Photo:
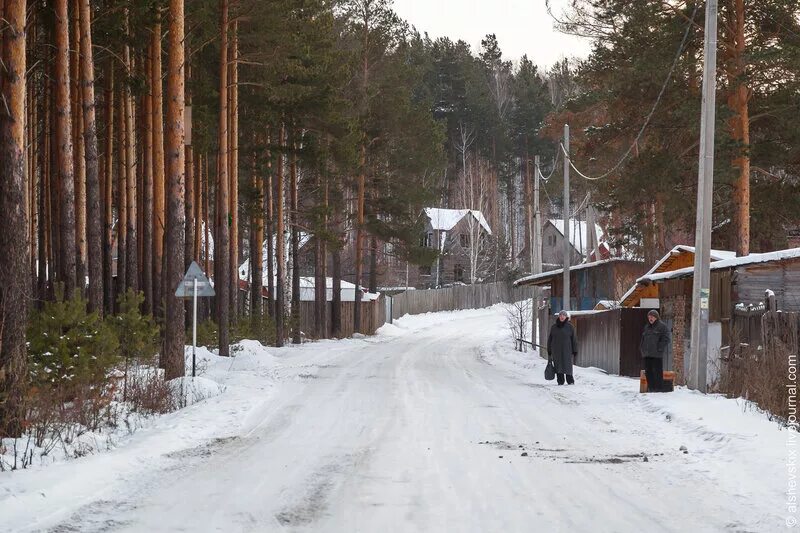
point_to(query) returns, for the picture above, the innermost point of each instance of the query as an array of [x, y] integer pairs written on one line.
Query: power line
[[555, 166], [649, 115]]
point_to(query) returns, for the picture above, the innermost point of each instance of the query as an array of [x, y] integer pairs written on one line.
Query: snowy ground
[[436, 424]]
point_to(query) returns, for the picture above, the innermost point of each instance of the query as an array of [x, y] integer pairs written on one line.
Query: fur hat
[[564, 312], [655, 314]]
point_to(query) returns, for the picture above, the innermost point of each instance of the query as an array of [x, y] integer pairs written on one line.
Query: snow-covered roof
[[606, 304], [530, 280], [578, 233], [446, 219], [752, 259], [716, 255]]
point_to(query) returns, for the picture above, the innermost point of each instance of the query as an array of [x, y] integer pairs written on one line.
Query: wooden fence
[[457, 298], [780, 331], [745, 328], [373, 316]]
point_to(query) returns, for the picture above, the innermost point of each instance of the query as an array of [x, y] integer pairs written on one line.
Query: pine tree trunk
[[78, 154], [176, 223], [198, 202], [256, 246], [55, 258], [108, 191], [270, 227], [739, 124], [222, 245], [528, 210], [148, 246], [132, 265], [141, 153], [94, 235], [319, 288], [324, 259], [191, 205], [295, 242], [65, 159], [233, 168], [33, 176], [280, 252], [512, 222], [320, 267], [206, 216], [44, 191], [159, 214], [122, 197], [373, 265], [359, 259], [14, 281], [189, 179], [336, 302]]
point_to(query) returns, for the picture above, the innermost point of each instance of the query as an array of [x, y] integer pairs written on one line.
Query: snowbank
[[188, 390]]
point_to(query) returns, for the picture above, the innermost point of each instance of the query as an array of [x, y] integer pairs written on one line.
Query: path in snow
[[425, 430]]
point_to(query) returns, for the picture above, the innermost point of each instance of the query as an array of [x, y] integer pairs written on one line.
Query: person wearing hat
[[562, 347], [655, 341]]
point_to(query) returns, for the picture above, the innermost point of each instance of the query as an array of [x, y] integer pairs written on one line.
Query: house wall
[[453, 255], [553, 247], [783, 278], [588, 286]]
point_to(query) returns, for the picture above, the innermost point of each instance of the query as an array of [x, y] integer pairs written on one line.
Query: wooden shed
[[734, 281], [679, 257]]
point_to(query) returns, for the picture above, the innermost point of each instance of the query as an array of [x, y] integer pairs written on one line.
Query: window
[[425, 270], [551, 240], [458, 273], [464, 240], [427, 240]]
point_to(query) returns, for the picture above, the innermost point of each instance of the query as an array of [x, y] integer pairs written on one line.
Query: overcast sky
[[522, 26]]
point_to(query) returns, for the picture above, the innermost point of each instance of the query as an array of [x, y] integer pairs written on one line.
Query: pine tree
[[14, 281], [175, 152]]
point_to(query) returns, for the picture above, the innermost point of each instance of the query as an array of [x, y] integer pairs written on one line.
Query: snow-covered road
[[436, 425]]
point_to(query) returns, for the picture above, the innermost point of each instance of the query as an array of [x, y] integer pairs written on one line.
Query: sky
[[522, 26]]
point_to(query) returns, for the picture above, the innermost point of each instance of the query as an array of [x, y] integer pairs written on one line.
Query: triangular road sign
[[186, 286]]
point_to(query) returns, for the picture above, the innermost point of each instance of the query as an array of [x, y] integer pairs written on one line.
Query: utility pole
[[705, 187], [567, 251], [536, 250]]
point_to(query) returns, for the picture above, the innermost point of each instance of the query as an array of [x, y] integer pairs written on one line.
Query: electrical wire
[[555, 166], [649, 115]]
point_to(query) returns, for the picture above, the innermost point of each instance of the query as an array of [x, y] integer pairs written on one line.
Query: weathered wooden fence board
[[373, 316], [457, 298]]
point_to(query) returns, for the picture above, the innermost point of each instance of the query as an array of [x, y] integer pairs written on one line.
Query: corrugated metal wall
[[599, 340]]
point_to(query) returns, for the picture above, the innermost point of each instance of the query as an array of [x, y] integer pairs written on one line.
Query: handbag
[[549, 370]]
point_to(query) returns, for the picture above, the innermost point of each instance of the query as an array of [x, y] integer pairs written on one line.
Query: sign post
[[194, 285]]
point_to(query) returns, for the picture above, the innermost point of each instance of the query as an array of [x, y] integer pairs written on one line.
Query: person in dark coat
[[562, 347], [655, 341]]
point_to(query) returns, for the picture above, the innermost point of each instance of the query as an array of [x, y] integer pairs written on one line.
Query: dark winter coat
[[562, 346], [655, 340]]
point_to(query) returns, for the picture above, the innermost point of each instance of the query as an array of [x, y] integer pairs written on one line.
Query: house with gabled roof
[[681, 256], [735, 282], [458, 235]]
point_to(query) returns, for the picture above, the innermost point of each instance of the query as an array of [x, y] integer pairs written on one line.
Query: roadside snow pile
[[188, 390], [68, 441], [390, 330]]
